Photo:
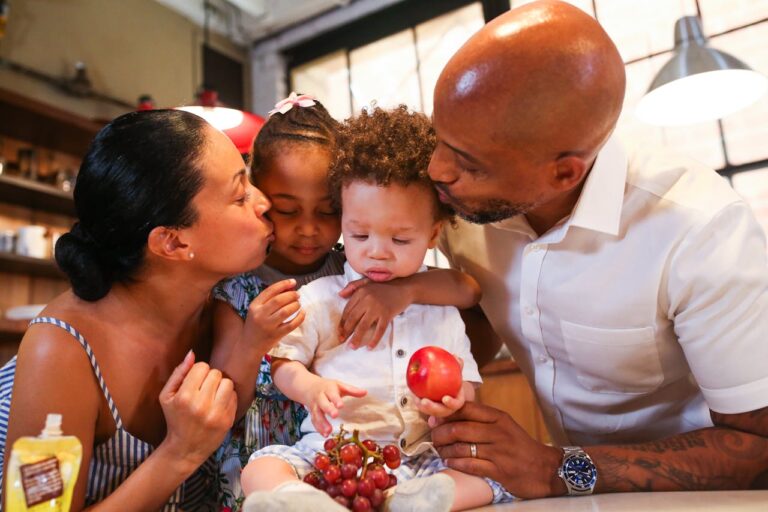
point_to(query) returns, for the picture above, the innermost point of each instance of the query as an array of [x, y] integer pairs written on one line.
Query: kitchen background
[[69, 66]]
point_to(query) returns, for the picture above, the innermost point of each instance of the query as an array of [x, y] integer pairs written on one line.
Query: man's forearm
[[713, 458]]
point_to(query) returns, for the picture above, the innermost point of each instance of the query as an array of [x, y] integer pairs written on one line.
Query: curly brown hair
[[383, 147]]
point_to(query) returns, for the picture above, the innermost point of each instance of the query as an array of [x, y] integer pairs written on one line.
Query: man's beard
[[492, 210]]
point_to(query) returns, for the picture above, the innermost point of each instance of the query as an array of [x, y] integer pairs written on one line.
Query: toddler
[[390, 217], [290, 162]]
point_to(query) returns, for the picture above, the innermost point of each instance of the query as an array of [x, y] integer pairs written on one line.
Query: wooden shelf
[[44, 125], [38, 196], [11, 331], [38, 267]]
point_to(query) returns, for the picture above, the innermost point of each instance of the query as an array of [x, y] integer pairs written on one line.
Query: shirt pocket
[[613, 360]]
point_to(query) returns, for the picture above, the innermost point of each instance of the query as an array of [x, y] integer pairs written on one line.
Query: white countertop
[[701, 501]]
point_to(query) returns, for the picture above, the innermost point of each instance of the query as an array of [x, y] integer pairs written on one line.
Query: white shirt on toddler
[[387, 413]]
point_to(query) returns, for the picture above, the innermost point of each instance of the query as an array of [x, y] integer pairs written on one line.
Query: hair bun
[[78, 256]]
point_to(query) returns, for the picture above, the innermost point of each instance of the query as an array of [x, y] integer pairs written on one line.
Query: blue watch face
[[580, 472]]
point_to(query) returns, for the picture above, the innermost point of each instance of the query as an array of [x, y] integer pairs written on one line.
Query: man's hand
[[505, 452], [370, 308]]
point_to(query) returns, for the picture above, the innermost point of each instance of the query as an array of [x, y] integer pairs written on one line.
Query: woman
[[165, 211]]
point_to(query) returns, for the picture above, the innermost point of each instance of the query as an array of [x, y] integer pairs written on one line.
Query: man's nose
[[441, 169]]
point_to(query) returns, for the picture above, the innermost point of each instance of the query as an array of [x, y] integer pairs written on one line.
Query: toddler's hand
[[447, 406], [273, 314], [325, 398]]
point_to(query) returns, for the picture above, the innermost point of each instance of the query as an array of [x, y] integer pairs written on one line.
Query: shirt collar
[[601, 199], [352, 275]]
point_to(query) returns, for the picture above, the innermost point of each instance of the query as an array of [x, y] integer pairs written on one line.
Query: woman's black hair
[[141, 171], [313, 125]]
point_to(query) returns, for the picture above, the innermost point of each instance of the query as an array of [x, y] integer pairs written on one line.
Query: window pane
[[700, 141], [746, 131], [438, 39], [753, 186], [634, 133], [720, 15], [327, 79], [641, 28], [584, 5], [385, 72]]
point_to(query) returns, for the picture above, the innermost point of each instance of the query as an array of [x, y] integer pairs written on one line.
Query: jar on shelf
[[28, 163]]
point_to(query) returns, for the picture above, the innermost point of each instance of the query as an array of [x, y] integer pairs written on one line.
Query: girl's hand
[[447, 406], [199, 408], [274, 313], [370, 308], [325, 398]]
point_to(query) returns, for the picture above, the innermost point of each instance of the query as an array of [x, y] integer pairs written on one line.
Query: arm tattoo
[[712, 458]]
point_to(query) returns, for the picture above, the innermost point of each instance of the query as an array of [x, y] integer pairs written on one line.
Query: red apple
[[433, 373]]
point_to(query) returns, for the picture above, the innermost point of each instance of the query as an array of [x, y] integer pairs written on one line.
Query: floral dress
[[272, 417]]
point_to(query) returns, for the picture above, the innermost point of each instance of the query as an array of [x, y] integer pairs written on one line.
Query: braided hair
[[299, 125]]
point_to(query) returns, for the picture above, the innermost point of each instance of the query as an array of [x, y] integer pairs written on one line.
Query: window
[[403, 68], [399, 68]]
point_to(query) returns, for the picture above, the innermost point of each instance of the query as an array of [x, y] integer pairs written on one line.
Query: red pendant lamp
[[239, 125]]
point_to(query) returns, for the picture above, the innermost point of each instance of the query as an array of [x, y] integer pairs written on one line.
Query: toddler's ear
[[438, 226]]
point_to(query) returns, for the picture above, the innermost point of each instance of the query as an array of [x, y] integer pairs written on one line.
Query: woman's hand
[[325, 398], [370, 308], [273, 313], [199, 408]]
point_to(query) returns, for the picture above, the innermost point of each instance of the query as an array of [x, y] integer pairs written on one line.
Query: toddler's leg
[[271, 484], [471, 491], [265, 474]]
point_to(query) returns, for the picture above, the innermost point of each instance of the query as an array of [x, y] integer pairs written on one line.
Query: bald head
[[545, 75]]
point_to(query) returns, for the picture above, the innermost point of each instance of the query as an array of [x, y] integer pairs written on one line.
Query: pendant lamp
[[699, 83], [239, 125]]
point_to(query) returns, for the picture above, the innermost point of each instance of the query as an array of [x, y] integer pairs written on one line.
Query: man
[[634, 296]]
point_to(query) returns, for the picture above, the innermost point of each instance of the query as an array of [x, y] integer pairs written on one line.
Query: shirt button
[[400, 352], [403, 401], [528, 310], [534, 247], [402, 443], [543, 359]]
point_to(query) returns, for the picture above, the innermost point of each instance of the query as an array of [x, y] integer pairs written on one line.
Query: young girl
[[290, 161], [391, 216]]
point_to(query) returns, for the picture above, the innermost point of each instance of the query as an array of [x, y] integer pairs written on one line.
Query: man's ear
[[435, 234], [166, 243], [568, 172]]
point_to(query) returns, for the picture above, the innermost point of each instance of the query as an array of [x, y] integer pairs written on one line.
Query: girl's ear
[[167, 243], [436, 228]]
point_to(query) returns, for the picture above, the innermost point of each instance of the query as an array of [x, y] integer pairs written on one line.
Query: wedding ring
[[473, 450]]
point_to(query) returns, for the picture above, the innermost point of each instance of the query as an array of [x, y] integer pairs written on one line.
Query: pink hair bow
[[283, 106]]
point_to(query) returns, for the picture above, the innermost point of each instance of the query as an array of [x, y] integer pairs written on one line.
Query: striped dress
[[114, 460]]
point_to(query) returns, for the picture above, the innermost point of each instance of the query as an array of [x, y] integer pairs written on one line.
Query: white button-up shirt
[[387, 413], [638, 312]]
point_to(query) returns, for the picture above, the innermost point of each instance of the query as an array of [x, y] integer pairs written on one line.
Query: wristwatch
[[577, 471]]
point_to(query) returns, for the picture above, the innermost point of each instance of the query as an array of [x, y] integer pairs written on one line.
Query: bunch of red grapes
[[353, 472]]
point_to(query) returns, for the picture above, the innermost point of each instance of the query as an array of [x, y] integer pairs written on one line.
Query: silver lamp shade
[[699, 83]]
